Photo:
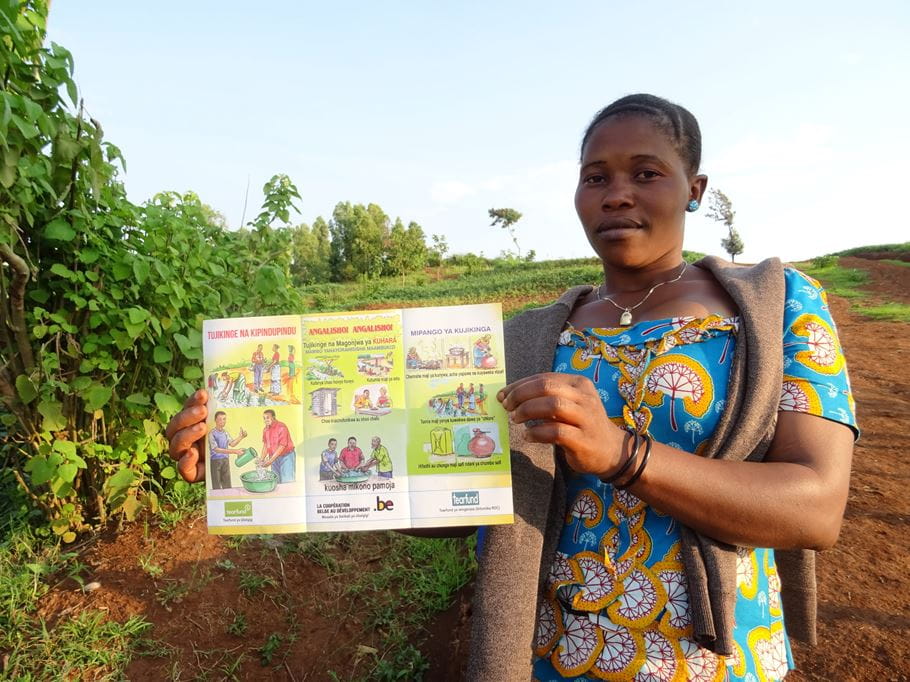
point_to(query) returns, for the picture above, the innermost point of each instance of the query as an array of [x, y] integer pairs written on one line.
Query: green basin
[[254, 485], [352, 478]]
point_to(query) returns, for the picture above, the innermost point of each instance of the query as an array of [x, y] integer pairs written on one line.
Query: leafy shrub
[[101, 300]]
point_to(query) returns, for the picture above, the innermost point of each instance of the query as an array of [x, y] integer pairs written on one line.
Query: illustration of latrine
[[324, 402]]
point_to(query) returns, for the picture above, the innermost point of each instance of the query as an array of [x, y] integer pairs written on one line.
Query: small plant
[[253, 583], [225, 564], [238, 625], [230, 669], [172, 592], [316, 549], [148, 565], [268, 650]]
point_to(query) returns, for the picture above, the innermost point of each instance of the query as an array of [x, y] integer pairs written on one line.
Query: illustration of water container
[[246, 457], [441, 442]]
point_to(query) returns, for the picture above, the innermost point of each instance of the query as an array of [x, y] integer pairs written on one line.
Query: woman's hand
[[566, 410], [186, 433]]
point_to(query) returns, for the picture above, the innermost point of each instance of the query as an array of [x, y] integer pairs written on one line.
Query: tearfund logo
[[235, 509], [465, 498]]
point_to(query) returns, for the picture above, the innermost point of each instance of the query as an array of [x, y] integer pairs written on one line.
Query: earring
[[692, 206]]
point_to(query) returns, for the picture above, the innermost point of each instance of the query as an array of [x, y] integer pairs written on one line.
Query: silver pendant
[[626, 318]]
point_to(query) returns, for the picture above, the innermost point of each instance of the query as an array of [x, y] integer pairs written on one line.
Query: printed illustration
[[375, 364], [460, 402], [389, 412], [278, 449], [372, 400], [221, 446], [324, 402], [323, 369], [452, 352], [260, 382], [352, 465], [476, 440]]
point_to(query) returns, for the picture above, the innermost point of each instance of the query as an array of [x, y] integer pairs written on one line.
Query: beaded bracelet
[[628, 463], [641, 467]]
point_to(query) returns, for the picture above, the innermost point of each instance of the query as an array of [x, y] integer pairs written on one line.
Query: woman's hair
[[677, 123]]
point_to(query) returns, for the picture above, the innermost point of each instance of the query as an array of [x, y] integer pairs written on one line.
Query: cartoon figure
[[292, 373], [412, 361], [220, 446], [483, 356], [275, 372], [383, 400], [278, 448], [472, 403], [329, 464], [459, 395], [240, 392], [352, 456], [258, 364], [362, 401], [223, 385], [481, 397], [379, 458]]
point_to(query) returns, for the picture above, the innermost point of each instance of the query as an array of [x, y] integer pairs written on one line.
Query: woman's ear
[[697, 187]]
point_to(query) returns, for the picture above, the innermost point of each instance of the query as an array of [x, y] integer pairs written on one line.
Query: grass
[[895, 312], [417, 579], [253, 584], [85, 645], [903, 248], [148, 565], [848, 283]]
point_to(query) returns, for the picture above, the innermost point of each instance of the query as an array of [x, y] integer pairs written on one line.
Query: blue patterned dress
[[617, 605]]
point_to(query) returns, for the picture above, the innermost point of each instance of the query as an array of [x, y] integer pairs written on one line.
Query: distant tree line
[[357, 242]]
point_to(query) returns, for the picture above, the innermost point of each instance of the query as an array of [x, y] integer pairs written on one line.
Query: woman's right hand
[[186, 435]]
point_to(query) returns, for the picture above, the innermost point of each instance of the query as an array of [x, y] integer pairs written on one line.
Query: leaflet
[[356, 421]]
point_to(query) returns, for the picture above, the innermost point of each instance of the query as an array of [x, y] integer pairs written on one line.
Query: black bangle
[[628, 463], [641, 467]]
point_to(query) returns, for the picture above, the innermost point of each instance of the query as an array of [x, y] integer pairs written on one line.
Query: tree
[[720, 208], [438, 252], [733, 244], [506, 219]]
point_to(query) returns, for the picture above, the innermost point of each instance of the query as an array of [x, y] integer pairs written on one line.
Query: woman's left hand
[[566, 410]]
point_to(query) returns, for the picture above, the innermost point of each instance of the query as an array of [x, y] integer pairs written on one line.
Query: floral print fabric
[[616, 606]]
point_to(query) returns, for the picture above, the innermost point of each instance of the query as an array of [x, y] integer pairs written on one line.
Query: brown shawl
[[516, 558]]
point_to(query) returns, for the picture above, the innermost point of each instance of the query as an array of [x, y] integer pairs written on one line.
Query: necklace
[[625, 319]]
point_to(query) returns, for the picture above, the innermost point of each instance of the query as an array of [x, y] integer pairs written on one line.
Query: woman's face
[[632, 193]]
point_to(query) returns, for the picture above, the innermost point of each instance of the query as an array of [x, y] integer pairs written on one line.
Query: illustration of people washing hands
[[221, 445], [330, 464], [278, 448], [379, 458], [352, 456]]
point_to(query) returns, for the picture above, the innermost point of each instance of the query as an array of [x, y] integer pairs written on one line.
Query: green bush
[[101, 300]]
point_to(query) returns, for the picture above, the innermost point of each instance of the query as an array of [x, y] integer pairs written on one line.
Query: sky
[[440, 111]]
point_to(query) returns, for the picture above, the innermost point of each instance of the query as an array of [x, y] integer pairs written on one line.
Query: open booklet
[[356, 421]]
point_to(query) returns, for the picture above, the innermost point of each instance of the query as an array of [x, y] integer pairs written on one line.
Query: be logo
[[387, 505]]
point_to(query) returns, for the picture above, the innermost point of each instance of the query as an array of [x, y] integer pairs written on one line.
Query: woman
[[666, 430], [647, 552], [275, 371]]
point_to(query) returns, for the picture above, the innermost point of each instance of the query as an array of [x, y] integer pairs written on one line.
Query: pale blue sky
[[439, 113]]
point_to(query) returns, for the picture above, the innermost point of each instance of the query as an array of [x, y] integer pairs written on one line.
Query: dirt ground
[[863, 583]]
